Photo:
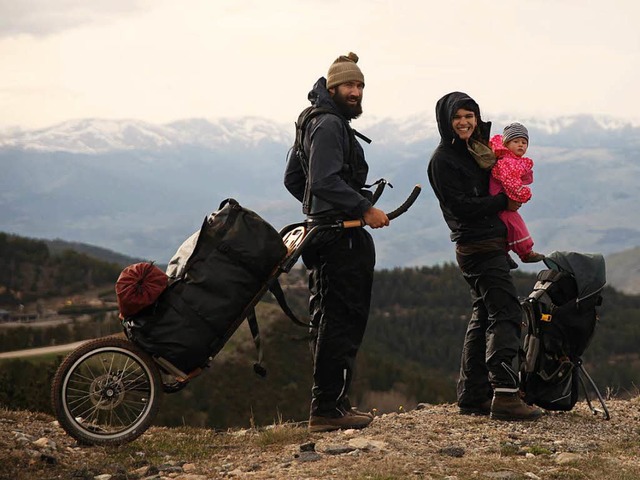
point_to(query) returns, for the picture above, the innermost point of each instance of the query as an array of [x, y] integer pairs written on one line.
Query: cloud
[[45, 17], [162, 60]]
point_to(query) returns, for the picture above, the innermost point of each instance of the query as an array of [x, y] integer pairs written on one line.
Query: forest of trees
[[410, 354], [29, 271]]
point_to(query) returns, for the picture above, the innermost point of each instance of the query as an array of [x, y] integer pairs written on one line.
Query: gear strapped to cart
[[108, 391]]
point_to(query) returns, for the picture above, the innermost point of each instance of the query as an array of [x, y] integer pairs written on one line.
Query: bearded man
[[329, 179]]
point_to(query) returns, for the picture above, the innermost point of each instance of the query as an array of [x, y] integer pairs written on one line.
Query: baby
[[511, 174]]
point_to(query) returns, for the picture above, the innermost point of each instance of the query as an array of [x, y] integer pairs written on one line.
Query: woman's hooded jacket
[[460, 184]]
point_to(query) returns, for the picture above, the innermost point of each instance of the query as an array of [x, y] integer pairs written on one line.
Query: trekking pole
[[391, 215]]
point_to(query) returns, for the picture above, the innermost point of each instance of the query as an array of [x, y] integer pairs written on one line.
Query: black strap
[[550, 275], [276, 291], [255, 333], [361, 136], [301, 125]]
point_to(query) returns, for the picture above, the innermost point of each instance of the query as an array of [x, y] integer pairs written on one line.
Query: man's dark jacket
[[462, 187], [336, 172]]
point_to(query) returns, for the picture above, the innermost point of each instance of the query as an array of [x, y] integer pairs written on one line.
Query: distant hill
[[58, 246], [30, 271], [623, 270], [142, 189]]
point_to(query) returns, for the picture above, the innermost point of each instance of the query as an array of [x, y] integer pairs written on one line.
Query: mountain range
[[140, 189]]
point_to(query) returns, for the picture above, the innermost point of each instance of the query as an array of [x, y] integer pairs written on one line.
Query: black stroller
[[561, 317]]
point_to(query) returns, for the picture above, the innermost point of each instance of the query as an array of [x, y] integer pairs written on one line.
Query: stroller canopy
[[588, 270]]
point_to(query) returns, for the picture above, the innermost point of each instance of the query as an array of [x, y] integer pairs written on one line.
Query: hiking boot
[[483, 408], [532, 257], [345, 406], [509, 406], [355, 411], [348, 420]]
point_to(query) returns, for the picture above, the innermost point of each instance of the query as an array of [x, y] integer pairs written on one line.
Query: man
[[341, 263], [459, 175]]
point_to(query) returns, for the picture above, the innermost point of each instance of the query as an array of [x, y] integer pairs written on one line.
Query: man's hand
[[512, 205], [375, 218]]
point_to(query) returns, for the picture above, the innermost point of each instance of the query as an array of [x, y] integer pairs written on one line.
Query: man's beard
[[348, 111]]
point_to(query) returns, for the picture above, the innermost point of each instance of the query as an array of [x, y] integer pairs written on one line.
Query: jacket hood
[[498, 147], [448, 105], [319, 96]]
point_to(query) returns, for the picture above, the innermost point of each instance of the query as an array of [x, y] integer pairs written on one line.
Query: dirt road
[[41, 351]]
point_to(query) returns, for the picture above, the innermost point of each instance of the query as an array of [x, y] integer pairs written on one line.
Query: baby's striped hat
[[514, 130]]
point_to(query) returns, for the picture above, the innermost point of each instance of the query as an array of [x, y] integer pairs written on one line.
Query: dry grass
[[434, 443]]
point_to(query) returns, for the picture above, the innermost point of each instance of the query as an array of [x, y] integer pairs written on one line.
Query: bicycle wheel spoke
[[78, 402], [108, 392]]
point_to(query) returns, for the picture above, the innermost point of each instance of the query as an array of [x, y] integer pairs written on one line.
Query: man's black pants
[[341, 275]]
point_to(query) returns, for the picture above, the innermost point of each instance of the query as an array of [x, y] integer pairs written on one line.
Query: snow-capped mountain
[[101, 136], [140, 189]]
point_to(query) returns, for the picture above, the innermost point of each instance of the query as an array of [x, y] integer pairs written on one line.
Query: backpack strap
[[362, 137], [304, 118], [255, 333], [545, 278], [276, 290]]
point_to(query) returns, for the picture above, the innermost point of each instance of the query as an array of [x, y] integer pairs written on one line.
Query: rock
[[152, 470], [104, 476], [308, 447], [305, 457], [171, 469], [363, 443], [338, 449], [564, 458], [20, 435], [142, 471], [503, 475], [457, 452], [189, 467], [532, 476], [48, 459]]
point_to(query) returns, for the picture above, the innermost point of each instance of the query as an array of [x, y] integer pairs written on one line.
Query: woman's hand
[[512, 205]]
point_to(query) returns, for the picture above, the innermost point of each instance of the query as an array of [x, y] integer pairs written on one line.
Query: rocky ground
[[431, 442]]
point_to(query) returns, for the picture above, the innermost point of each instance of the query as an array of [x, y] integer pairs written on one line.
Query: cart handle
[[391, 215]]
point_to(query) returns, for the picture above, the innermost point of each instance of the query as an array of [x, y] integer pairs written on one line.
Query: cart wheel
[[106, 392]]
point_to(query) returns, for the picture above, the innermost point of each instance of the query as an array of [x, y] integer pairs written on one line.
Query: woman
[[459, 175]]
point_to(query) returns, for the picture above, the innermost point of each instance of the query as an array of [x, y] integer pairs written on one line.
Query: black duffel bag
[[215, 279]]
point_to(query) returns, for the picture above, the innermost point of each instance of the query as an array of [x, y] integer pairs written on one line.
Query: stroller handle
[[391, 215]]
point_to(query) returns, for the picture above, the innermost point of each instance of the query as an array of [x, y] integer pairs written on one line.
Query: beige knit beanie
[[344, 69]]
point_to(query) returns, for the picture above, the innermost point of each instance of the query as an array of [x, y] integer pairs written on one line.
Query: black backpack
[[216, 278], [561, 315], [297, 149]]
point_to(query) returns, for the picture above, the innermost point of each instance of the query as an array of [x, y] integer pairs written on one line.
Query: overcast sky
[[163, 60]]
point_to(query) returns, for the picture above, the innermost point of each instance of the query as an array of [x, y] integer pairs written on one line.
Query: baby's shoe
[[532, 257]]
